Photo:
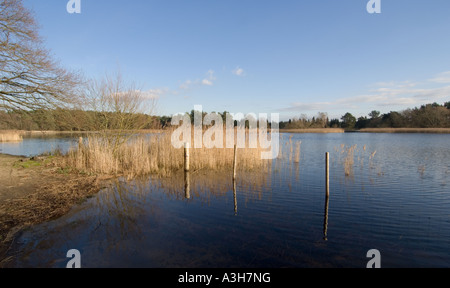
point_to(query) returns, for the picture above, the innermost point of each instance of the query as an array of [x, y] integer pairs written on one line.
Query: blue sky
[[288, 57]]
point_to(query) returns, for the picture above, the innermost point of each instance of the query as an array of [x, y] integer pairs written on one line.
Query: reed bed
[[10, 137], [154, 154], [406, 130], [313, 130]]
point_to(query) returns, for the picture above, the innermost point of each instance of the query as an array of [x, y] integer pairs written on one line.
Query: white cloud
[[301, 106], [154, 93], [207, 82], [397, 84], [394, 94], [434, 95], [186, 84], [238, 71], [442, 78]]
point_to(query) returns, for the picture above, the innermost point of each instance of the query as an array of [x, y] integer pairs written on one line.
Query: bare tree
[[121, 107], [29, 77], [322, 119]]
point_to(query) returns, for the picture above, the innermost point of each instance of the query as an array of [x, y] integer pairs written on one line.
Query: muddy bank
[[33, 191]]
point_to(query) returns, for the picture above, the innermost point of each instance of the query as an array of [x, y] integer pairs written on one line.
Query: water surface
[[395, 199]]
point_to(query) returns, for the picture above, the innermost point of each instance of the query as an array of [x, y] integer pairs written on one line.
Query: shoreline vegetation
[[10, 136], [406, 130], [18, 135], [89, 118]]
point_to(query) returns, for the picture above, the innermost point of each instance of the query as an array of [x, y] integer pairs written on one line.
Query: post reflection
[[187, 185], [325, 220], [235, 197]]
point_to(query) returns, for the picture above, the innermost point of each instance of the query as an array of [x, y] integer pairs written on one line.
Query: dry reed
[[349, 160], [348, 154]]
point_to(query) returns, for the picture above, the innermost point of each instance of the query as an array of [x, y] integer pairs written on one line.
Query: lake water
[[37, 145], [395, 199]]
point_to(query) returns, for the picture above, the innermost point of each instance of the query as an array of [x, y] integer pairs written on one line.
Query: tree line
[[426, 116], [76, 120]]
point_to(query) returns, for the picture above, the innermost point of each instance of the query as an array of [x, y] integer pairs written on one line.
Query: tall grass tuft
[[349, 160], [348, 154]]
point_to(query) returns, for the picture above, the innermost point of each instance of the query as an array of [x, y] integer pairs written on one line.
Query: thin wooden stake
[[235, 162], [186, 156], [327, 195], [187, 185]]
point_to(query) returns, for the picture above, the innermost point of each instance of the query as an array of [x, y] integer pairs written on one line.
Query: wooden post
[[186, 156], [327, 195], [327, 173], [234, 162], [234, 179]]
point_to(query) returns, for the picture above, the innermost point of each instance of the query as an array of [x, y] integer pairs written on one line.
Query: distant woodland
[[72, 120], [427, 116]]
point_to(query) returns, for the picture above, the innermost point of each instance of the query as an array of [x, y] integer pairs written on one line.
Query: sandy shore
[[35, 191]]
